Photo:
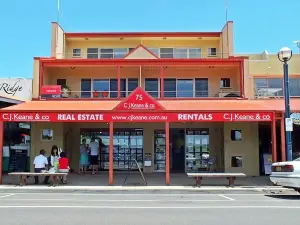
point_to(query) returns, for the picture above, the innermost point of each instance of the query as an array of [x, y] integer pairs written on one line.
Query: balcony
[[166, 53], [101, 82]]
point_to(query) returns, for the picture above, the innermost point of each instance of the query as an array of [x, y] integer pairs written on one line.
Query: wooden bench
[[56, 177], [230, 176]]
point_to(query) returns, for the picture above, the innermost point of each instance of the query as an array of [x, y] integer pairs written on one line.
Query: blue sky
[[258, 24]]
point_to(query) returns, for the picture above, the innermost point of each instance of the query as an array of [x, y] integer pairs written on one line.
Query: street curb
[[147, 189]]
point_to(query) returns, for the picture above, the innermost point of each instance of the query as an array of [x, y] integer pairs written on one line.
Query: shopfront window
[[159, 151], [197, 150], [128, 146], [268, 87]]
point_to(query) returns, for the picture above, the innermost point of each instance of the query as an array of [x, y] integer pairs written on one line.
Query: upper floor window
[[269, 87], [107, 53], [225, 83], [212, 52], [179, 53], [152, 86], [107, 87], [185, 88], [61, 82], [76, 52]]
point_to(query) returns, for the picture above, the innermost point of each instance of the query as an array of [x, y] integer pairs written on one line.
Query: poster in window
[[47, 135]]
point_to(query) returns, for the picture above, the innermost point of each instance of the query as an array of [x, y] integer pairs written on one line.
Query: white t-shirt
[[40, 161], [94, 148]]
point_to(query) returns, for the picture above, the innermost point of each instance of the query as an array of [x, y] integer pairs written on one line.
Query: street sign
[[288, 124], [296, 118]]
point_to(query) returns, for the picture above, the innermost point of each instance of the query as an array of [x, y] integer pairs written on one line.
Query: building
[[139, 91]]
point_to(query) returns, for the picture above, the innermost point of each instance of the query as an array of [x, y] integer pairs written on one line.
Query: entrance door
[[177, 149]]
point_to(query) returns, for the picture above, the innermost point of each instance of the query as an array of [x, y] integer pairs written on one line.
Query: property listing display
[[160, 151], [128, 145]]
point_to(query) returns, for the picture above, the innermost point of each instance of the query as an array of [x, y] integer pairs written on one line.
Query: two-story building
[[172, 101]]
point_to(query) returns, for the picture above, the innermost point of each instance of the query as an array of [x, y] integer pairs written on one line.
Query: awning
[[276, 105]]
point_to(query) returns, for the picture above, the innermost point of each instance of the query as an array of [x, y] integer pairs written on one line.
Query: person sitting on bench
[[63, 166], [40, 163]]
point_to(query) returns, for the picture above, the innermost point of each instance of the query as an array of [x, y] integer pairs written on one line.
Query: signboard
[[51, 90], [139, 100], [296, 118], [136, 117], [16, 88], [288, 124]]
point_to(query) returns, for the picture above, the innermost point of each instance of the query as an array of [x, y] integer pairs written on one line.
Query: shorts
[[94, 160]]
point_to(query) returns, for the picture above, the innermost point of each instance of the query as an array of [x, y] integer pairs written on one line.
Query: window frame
[[158, 86], [99, 53], [222, 80], [210, 54], [76, 55]]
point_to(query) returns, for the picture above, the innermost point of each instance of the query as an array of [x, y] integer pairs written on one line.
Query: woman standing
[[54, 157], [84, 158]]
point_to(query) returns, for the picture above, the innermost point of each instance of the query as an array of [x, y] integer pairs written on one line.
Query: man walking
[[40, 163], [94, 146]]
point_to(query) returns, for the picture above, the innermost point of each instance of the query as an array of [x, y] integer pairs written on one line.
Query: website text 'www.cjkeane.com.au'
[[139, 118]]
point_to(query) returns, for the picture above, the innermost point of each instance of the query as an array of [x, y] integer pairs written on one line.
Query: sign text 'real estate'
[[80, 117]]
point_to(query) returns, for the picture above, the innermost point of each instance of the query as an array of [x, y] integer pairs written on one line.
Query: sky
[[26, 24]]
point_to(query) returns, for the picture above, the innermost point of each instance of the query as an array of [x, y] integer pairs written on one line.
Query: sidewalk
[[156, 182]]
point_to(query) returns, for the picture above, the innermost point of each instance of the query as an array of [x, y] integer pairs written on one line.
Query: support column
[[162, 84], [167, 128], [111, 154], [274, 146], [41, 78], [1, 148], [119, 80], [242, 89], [282, 137]]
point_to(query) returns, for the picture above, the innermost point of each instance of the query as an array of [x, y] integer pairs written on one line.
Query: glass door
[[197, 150]]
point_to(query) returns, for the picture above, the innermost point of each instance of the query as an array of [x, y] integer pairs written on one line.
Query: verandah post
[[274, 147], [167, 128], [162, 84], [119, 80], [1, 148], [282, 136], [111, 153]]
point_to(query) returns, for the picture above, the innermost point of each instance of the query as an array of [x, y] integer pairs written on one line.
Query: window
[[151, 86], [120, 53], [180, 53], [166, 53], [212, 52], [295, 87], [155, 51], [236, 161], [185, 88], [170, 88], [269, 87], [76, 52], [61, 82], [101, 85], [106, 53], [195, 53], [92, 53], [86, 88], [225, 83], [236, 135], [114, 88], [132, 84], [201, 87]]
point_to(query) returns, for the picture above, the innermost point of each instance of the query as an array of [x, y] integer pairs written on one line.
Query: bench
[[56, 177], [230, 176]]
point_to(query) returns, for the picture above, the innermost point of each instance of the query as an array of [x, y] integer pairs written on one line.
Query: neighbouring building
[[172, 101]]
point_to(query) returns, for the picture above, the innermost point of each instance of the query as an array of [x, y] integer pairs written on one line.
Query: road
[[148, 209]]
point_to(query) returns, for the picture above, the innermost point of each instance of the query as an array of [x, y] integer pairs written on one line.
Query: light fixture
[[285, 54]]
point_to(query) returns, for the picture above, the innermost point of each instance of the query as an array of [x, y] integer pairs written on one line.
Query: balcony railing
[[98, 95], [120, 56]]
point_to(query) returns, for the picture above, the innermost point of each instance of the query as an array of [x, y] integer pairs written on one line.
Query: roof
[[169, 105], [140, 34]]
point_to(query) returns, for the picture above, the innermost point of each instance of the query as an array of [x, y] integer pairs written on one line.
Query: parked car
[[286, 174]]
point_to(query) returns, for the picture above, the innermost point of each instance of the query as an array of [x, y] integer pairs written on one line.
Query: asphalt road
[[137, 209]]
